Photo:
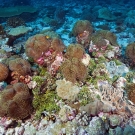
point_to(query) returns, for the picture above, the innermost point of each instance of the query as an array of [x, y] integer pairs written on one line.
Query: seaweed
[[45, 102], [84, 96]]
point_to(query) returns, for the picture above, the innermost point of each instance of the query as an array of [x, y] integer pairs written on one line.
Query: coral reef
[[4, 71], [116, 99], [83, 88], [15, 101]]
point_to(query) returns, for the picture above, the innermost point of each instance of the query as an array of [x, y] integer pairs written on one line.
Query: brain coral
[[81, 26], [75, 51], [3, 72], [130, 51], [15, 101], [73, 70], [20, 65], [104, 34], [36, 45]]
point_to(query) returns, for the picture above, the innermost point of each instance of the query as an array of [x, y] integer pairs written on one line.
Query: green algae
[[85, 96], [130, 76], [45, 102], [97, 72]]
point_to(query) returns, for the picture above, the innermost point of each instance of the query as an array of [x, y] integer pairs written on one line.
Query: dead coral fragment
[[15, 101], [3, 72]]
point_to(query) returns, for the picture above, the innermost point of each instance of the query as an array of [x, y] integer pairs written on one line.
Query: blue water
[[4, 3]]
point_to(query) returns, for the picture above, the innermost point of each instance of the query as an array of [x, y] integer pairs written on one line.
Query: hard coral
[[115, 98], [3, 72], [20, 65], [15, 21], [15, 101]]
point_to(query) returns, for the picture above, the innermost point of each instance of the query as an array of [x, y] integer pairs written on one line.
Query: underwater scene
[[67, 67]]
